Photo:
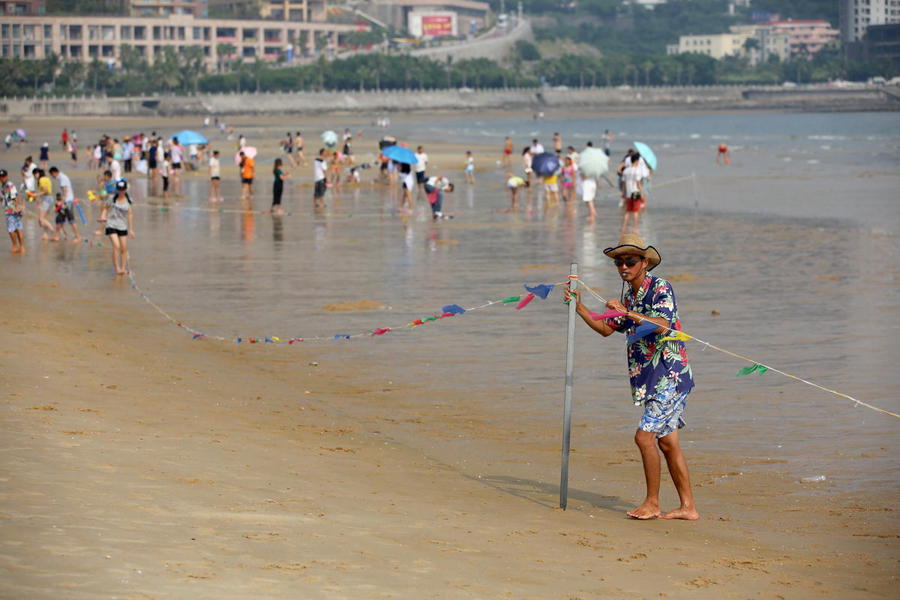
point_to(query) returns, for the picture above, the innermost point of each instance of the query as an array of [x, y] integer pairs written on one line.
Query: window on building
[[16, 51], [93, 32], [94, 51], [48, 49], [74, 51], [109, 32], [109, 51], [5, 50], [125, 32], [15, 33], [4, 30], [48, 32], [198, 35], [140, 33], [74, 32]]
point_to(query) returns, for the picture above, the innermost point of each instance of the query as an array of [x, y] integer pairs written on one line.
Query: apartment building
[[805, 37], [717, 45], [87, 38], [857, 15]]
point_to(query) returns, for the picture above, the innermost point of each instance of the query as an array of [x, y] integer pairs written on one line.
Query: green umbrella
[[593, 163]]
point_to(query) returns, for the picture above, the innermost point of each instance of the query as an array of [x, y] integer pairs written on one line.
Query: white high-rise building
[[857, 15]]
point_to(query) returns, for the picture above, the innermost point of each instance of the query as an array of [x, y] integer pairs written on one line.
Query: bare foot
[[76, 240], [687, 514], [644, 511], [54, 239], [15, 250], [21, 249], [121, 272], [45, 238]]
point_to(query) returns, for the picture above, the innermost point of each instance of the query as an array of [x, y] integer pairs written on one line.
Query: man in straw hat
[[659, 370]]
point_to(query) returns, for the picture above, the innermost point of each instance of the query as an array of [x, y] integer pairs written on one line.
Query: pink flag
[[525, 301], [381, 331], [610, 314]]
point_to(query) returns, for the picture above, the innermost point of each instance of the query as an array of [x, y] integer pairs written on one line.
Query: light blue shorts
[[663, 414], [13, 223], [46, 203]]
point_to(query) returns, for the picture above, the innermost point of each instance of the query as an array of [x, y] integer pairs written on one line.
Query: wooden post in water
[[567, 404]]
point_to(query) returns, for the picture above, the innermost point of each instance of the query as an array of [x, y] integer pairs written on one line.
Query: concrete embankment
[[699, 97]]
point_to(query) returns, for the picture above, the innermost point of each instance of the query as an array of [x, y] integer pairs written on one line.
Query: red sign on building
[[437, 26]]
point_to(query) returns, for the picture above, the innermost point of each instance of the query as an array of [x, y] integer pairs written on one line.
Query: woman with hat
[[659, 370]]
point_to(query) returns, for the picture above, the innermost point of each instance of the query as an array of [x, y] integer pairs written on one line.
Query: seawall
[[371, 101]]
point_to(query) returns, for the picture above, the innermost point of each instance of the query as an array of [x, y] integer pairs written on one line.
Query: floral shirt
[[654, 366], [8, 197]]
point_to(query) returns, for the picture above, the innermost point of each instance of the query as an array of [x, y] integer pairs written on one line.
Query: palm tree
[[224, 49], [648, 65], [193, 66], [167, 68], [97, 72], [73, 72], [52, 63], [259, 67], [361, 72], [131, 59]]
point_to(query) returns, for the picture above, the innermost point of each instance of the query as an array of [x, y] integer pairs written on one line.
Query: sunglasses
[[630, 261]]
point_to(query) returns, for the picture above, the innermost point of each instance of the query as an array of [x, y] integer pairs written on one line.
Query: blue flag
[[642, 331], [453, 309], [541, 291]]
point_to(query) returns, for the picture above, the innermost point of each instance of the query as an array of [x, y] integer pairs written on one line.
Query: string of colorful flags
[[674, 335]]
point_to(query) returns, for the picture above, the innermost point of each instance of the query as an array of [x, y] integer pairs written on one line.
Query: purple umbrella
[[545, 164]]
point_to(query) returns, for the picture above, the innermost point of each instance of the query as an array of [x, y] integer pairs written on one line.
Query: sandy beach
[[143, 464]]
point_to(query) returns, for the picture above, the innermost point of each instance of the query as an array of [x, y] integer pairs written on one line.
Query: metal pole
[[567, 405]]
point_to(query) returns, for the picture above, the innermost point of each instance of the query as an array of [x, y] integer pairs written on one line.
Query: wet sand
[[140, 463]]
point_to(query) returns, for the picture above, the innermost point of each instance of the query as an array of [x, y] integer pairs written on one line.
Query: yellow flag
[[678, 336]]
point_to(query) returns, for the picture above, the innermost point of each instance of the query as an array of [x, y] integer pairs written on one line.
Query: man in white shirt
[[421, 164], [536, 148], [68, 196], [320, 170], [634, 192]]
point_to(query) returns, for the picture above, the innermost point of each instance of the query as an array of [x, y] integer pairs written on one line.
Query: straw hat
[[631, 243], [127, 138]]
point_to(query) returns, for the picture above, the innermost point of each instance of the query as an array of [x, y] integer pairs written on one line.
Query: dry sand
[[151, 466], [140, 464]]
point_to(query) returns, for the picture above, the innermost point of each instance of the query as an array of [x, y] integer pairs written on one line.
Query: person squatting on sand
[[660, 373]]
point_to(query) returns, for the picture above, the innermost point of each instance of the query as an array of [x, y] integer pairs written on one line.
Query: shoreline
[[464, 99]]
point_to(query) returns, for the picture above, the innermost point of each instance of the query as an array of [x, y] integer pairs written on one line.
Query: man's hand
[[616, 305], [567, 296]]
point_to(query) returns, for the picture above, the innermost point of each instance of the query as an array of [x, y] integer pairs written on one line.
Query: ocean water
[[789, 255]]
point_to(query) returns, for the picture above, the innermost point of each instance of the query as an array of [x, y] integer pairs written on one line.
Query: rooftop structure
[[282, 10], [164, 8], [31, 8]]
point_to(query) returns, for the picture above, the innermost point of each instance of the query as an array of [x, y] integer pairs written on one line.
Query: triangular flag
[[445, 315], [610, 314], [747, 370], [511, 299], [198, 335], [540, 290], [275, 338], [381, 331], [341, 336], [270, 340], [429, 319], [762, 369], [642, 331], [525, 301], [238, 341], [678, 336], [416, 322], [454, 309]]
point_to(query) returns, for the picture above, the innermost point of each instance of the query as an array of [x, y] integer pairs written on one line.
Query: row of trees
[[186, 72]]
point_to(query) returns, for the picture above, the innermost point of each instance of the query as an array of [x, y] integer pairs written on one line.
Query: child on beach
[[551, 189], [513, 184], [634, 193], [470, 167], [45, 191], [526, 163], [119, 226], [568, 181], [278, 186], [14, 206], [44, 159], [320, 177], [165, 170], [406, 177], [434, 191], [215, 177]]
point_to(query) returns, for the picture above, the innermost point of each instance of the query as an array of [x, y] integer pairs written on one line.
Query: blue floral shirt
[[654, 366]]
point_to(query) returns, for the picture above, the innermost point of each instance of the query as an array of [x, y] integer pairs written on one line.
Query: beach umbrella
[[593, 163], [330, 138], [249, 152], [401, 155], [21, 133], [646, 154], [188, 137], [545, 164]]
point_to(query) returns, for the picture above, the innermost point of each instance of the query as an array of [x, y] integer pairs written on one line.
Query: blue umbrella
[[401, 155], [646, 154], [189, 137], [545, 164]]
